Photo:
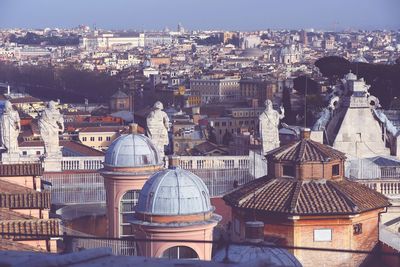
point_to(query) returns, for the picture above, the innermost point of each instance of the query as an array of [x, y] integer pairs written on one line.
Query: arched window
[[126, 211], [180, 252]]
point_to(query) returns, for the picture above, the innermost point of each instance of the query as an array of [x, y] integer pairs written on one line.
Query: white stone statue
[[269, 122], [51, 124], [10, 127], [157, 127]]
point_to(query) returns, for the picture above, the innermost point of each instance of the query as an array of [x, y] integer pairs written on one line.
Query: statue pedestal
[[10, 158], [52, 163]]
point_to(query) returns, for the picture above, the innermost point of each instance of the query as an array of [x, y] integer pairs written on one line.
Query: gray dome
[[252, 52], [251, 253], [132, 150], [174, 192]]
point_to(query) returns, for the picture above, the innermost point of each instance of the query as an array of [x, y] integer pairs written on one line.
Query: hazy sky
[[202, 14]]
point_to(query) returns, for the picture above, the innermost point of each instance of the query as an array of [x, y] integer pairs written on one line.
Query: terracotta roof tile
[[313, 197], [22, 169], [305, 150]]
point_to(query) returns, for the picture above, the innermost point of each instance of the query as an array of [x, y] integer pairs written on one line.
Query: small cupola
[[306, 159]]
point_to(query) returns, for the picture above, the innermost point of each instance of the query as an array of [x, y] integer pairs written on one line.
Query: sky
[[202, 14]]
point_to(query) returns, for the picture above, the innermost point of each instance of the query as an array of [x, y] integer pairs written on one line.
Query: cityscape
[[169, 133]]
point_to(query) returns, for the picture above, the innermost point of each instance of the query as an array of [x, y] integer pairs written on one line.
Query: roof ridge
[[295, 196], [300, 157], [346, 198]]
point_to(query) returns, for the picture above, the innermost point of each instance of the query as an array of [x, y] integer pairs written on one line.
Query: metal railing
[[76, 188], [118, 246], [221, 181], [218, 173]]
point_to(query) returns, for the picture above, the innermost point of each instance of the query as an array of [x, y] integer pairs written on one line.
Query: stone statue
[[157, 127], [10, 126], [51, 124], [269, 122], [324, 117]]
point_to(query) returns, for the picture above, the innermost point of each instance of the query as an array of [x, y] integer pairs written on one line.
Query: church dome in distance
[[173, 192], [132, 150], [252, 52]]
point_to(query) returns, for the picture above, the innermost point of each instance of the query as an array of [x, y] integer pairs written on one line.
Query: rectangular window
[[37, 152], [288, 170], [335, 169], [108, 138], [100, 138], [92, 138], [357, 229], [24, 153], [84, 139], [322, 235]]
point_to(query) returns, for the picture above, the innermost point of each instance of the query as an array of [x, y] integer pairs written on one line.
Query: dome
[[252, 52], [132, 150], [174, 192], [256, 253]]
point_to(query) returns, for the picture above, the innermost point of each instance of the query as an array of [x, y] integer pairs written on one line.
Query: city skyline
[[221, 15]]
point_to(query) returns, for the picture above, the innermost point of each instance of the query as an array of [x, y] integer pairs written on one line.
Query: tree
[[333, 67], [303, 83], [287, 105]]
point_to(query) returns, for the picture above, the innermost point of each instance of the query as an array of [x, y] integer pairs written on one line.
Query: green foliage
[[212, 40], [303, 83], [67, 84], [287, 105], [34, 39], [384, 79]]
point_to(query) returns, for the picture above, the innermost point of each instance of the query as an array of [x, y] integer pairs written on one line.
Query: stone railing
[[81, 163], [389, 188], [214, 162]]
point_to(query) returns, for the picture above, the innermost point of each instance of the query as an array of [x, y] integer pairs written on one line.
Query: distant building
[[99, 138], [121, 101], [291, 54], [216, 90], [257, 89], [329, 43]]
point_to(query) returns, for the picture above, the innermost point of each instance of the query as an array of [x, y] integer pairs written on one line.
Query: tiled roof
[[305, 150], [22, 169], [102, 129], [14, 196], [17, 228], [7, 244], [81, 149], [313, 197]]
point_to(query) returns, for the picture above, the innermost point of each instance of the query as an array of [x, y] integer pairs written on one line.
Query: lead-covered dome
[[174, 192], [132, 150]]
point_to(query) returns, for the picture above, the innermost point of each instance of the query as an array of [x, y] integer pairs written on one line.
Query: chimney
[[254, 231], [173, 161], [133, 128], [305, 133]]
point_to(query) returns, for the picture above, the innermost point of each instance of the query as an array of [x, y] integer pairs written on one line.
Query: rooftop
[[313, 197]]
